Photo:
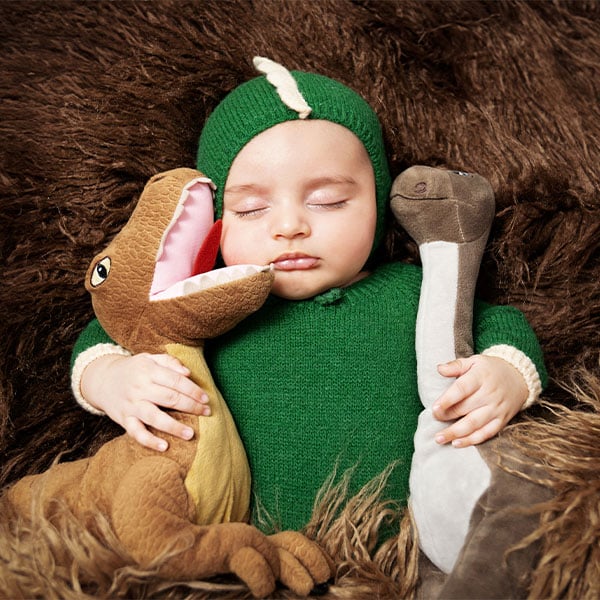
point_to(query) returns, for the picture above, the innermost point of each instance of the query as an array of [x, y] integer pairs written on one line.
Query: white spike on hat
[[285, 85]]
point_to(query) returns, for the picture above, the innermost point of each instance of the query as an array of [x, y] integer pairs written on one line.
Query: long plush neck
[[435, 332], [444, 318]]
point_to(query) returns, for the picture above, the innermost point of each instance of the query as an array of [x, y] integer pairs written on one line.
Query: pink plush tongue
[[207, 255]]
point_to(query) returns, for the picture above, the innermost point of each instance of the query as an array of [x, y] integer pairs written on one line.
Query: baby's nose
[[290, 223]]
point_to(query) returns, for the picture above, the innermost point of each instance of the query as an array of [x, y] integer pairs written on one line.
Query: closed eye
[[254, 212], [328, 205]]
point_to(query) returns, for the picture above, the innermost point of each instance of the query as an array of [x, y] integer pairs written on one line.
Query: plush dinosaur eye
[[100, 272]]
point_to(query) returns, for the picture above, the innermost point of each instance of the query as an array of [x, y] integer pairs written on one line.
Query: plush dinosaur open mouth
[[204, 281], [189, 246]]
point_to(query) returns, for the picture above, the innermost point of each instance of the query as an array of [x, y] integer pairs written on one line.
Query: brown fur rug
[[98, 96]]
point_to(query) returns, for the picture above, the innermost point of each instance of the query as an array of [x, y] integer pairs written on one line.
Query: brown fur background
[[98, 96]]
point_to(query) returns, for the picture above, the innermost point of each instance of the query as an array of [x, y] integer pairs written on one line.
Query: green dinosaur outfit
[[332, 380]]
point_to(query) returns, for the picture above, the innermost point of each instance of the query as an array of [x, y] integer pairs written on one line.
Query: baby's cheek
[[230, 257], [236, 248]]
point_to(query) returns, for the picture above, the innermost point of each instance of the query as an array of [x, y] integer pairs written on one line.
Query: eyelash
[[324, 206], [330, 205], [248, 213]]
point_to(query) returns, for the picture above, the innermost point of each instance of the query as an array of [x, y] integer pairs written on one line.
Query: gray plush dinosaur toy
[[466, 506]]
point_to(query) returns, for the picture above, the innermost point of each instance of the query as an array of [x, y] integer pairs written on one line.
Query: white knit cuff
[[520, 361], [80, 364]]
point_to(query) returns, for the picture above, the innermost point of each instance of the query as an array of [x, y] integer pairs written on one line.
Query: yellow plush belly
[[219, 478]]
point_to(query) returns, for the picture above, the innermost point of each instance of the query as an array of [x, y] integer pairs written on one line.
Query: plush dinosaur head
[[439, 205], [154, 283], [449, 214]]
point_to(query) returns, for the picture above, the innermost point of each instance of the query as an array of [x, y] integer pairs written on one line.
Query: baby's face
[[301, 196]]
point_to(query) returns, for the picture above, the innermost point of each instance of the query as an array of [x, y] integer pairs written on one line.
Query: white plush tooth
[[190, 286], [210, 279]]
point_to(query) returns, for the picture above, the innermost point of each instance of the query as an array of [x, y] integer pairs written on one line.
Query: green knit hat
[[257, 105]]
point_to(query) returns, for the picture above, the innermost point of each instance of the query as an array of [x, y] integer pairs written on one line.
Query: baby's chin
[[297, 292], [285, 295], [286, 289]]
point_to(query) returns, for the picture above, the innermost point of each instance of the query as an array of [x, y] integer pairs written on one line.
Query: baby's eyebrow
[[332, 180], [313, 184], [244, 188]]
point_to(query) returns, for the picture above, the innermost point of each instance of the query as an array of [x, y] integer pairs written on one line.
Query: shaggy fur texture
[[98, 96], [568, 449]]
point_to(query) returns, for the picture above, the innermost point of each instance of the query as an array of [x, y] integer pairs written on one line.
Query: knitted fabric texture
[[255, 106], [330, 382]]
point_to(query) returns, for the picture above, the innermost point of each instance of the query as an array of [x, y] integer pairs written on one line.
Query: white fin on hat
[[284, 84]]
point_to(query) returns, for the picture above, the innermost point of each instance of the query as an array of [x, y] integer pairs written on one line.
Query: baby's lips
[[299, 263]]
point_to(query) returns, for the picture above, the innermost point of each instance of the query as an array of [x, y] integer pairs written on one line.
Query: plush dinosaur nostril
[[420, 187]]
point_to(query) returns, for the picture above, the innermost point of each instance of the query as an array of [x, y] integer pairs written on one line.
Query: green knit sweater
[[331, 382]]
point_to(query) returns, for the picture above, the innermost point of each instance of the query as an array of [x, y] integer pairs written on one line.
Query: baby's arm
[[491, 387], [130, 389]]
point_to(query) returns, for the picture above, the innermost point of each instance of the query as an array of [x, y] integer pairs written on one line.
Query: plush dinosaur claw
[[260, 561], [254, 570], [303, 563]]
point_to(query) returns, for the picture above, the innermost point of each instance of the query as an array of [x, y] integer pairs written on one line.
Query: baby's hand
[[486, 395], [130, 390]]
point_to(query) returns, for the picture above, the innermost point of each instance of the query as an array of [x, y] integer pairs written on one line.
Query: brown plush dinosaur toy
[[153, 290], [469, 510]]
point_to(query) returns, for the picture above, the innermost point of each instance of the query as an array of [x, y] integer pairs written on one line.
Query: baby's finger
[[177, 392], [456, 367], [137, 430], [464, 427], [489, 430], [450, 405], [170, 362], [164, 422]]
